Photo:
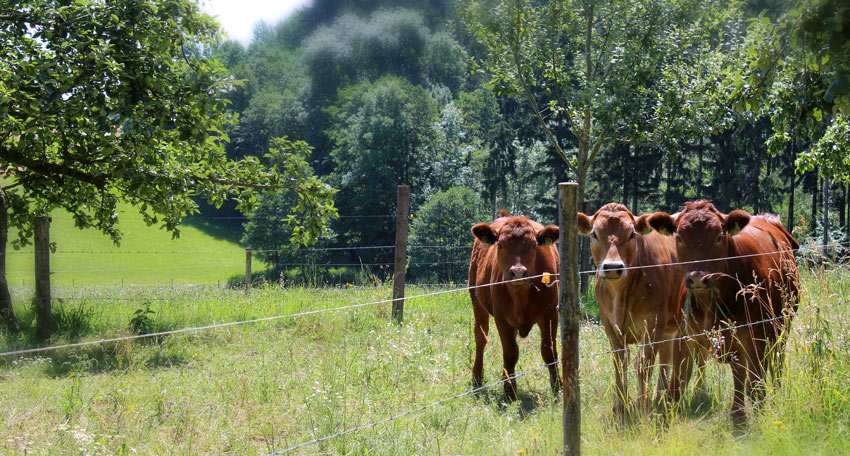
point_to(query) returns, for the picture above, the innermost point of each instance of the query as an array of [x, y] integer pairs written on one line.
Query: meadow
[[263, 387], [205, 253]]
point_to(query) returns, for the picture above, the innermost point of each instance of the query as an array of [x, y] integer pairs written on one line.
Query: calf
[[742, 272], [635, 305], [514, 248]]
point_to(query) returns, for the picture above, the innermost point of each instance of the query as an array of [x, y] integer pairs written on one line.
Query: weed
[[143, 320]]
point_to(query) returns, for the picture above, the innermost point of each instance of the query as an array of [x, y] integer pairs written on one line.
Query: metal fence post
[[42, 276], [569, 315], [400, 268]]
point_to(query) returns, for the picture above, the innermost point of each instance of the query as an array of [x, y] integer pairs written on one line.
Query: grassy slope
[[257, 388], [196, 257]]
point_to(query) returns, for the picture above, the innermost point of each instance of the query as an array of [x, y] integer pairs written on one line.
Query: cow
[[740, 272], [509, 249], [635, 305]]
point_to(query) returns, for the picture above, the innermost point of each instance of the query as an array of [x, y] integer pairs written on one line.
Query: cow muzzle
[[612, 270], [517, 272], [700, 280]]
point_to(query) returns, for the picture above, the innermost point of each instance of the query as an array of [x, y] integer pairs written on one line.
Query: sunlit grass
[[256, 388]]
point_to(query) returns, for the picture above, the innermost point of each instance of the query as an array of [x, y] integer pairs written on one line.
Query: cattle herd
[[684, 287]]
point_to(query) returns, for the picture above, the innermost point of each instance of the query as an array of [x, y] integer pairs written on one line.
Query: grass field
[[146, 256], [262, 387]]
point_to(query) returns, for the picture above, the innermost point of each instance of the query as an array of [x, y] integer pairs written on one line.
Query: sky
[[237, 17]]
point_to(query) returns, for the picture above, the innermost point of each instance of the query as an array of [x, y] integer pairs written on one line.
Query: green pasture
[[262, 387], [147, 255]]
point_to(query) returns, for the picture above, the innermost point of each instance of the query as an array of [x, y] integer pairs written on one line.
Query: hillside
[[147, 255]]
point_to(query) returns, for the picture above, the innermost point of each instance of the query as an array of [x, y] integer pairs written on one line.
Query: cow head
[[702, 234], [517, 243], [613, 241]]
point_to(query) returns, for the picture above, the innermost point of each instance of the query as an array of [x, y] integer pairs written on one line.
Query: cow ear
[[735, 221], [548, 235], [642, 224], [486, 234], [585, 226], [662, 222]]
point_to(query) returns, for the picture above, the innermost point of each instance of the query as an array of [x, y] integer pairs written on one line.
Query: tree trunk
[[7, 313], [584, 241], [790, 222], [793, 154], [815, 193], [700, 151]]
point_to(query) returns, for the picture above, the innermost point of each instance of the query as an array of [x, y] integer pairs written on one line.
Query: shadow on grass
[[221, 227], [527, 401], [72, 324]]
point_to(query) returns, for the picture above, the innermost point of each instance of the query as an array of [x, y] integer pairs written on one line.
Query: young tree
[[104, 101], [382, 136], [587, 66], [798, 69]]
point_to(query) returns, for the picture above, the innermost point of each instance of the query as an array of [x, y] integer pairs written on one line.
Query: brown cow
[[635, 305], [736, 291], [514, 247]]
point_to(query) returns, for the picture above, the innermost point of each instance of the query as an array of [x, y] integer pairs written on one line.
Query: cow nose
[[518, 272], [613, 268], [698, 279]]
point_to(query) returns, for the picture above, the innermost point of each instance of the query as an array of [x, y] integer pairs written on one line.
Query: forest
[[683, 101]]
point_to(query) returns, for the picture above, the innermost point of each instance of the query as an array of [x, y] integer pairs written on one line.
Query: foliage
[[445, 220], [102, 102], [586, 68], [381, 134], [798, 70], [143, 320]]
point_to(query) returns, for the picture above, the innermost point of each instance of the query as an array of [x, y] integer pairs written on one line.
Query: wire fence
[[544, 366], [545, 278]]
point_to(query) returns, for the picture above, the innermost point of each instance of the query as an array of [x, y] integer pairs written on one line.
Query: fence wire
[[523, 373]]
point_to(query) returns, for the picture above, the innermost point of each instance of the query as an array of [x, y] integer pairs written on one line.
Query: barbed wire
[[239, 251], [255, 320], [414, 410], [489, 385]]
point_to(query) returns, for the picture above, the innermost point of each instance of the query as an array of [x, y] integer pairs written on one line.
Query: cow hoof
[[510, 391], [739, 418], [477, 382], [619, 410]]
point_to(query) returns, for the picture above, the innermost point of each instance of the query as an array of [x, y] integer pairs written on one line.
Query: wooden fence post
[[400, 268], [569, 315], [247, 268], [42, 276]]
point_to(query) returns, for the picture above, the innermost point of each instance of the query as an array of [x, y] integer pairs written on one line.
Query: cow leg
[[646, 357], [510, 354], [665, 363], [548, 331], [481, 329], [680, 369], [621, 364], [739, 401], [754, 346]]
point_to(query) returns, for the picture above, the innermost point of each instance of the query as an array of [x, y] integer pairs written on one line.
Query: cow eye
[[719, 239], [593, 235], [632, 236]]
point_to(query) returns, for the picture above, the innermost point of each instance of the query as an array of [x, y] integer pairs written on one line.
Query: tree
[[108, 101], [797, 69], [445, 221], [382, 133], [585, 65]]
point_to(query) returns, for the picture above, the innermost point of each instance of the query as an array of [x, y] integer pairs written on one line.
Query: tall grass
[[262, 387]]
